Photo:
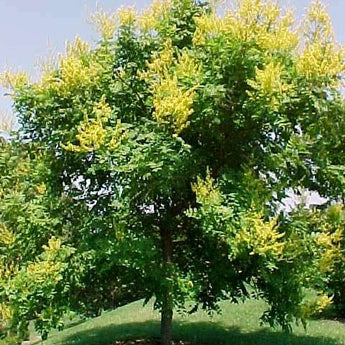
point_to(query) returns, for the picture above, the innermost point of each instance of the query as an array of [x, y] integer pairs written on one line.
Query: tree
[[167, 152]]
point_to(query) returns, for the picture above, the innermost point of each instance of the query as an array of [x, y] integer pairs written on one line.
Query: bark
[[167, 307], [166, 325]]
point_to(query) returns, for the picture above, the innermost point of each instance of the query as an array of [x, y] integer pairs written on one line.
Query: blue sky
[[32, 29]]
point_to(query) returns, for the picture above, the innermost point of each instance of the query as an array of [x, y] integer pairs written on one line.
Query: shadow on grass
[[200, 333]]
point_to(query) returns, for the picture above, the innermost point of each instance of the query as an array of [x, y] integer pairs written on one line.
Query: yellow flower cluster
[[172, 101], [268, 80], [330, 241], [321, 57], [152, 15], [41, 188], [7, 238], [126, 16], [323, 302], [328, 259], [105, 23], [252, 20], [77, 48], [207, 25], [102, 110], [41, 270], [23, 167], [282, 37], [260, 236], [187, 67], [77, 69], [54, 244], [75, 73], [317, 26], [91, 132], [322, 61], [91, 136], [315, 306], [13, 81], [263, 22], [8, 269], [269, 84], [160, 62], [5, 314], [206, 191]]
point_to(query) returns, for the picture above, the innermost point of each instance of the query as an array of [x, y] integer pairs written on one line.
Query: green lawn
[[237, 325]]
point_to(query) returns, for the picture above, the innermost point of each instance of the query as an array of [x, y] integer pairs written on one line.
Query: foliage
[[158, 161], [332, 222]]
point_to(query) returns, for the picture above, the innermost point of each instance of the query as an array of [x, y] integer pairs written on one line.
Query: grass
[[237, 325]]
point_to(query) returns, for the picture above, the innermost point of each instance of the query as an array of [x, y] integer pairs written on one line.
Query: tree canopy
[[156, 163]]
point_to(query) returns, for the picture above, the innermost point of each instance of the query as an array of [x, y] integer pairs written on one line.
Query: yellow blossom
[[91, 135], [259, 21], [317, 26], [7, 270], [268, 80], [187, 66], [327, 260], [283, 37], [260, 236], [172, 100], [77, 48], [7, 237], [13, 81], [262, 22], [75, 70], [324, 239], [5, 314], [269, 84], [172, 103], [91, 132], [206, 190], [105, 23], [322, 61], [321, 57], [41, 270], [315, 305], [152, 15], [74, 73], [101, 109], [54, 244], [161, 61], [207, 25], [337, 236], [47, 68], [323, 302], [126, 16], [41, 189]]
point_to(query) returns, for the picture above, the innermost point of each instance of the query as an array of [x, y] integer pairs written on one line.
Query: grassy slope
[[238, 325]]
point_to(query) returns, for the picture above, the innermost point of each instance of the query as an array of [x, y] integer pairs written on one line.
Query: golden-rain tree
[[156, 163]]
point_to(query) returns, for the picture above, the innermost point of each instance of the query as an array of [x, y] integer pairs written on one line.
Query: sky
[[31, 30]]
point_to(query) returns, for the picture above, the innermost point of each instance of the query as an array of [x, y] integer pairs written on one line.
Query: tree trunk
[[167, 306], [166, 325]]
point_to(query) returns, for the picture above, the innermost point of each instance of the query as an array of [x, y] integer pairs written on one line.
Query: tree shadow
[[200, 333]]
